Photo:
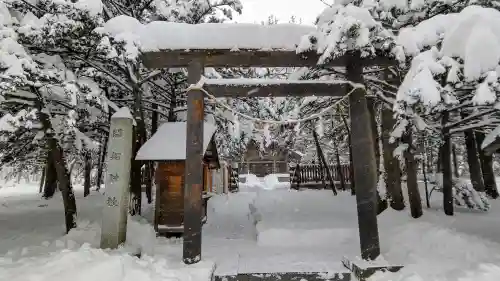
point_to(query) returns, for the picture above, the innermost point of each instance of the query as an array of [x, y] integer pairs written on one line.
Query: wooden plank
[[277, 90], [286, 276], [365, 170], [245, 58], [193, 190]]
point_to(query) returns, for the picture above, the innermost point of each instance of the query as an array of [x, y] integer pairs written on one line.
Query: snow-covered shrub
[[463, 193]]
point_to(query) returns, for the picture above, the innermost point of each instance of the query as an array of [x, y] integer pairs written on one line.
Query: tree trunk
[[102, 161], [411, 178], [424, 167], [351, 166], [50, 185], [439, 168], [381, 203], [446, 167], [321, 158], [392, 170], [150, 166], [87, 172], [473, 161], [490, 184], [135, 180], [339, 167], [65, 186], [455, 161], [139, 139], [57, 154], [101, 166], [430, 159], [42, 179]]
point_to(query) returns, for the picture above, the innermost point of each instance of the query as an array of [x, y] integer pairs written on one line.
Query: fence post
[[292, 168]]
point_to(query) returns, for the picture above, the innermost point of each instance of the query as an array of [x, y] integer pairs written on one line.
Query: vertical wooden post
[[365, 170], [194, 168], [114, 217]]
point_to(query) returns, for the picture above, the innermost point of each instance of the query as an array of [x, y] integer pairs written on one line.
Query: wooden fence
[[305, 175]]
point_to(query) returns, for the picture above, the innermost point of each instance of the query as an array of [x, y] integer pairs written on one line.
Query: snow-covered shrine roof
[[169, 142]]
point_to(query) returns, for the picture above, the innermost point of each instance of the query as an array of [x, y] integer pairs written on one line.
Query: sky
[[255, 11]]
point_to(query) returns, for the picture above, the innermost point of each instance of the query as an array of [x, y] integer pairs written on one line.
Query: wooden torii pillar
[[361, 135]]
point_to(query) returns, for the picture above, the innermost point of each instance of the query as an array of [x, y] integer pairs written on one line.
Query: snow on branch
[[472, 36], [341, 28]]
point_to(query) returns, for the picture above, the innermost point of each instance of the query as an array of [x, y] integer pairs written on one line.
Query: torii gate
[[362, 141]]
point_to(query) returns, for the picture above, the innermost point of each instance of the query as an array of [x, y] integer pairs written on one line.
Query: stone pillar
[[115, 212]]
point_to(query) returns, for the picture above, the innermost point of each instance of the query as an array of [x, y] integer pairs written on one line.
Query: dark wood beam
[[364, 162], [297, 89], [193, 176], [245, 58]]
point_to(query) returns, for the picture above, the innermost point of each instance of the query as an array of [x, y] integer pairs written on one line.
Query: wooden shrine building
[[273, 159], [167, 147]]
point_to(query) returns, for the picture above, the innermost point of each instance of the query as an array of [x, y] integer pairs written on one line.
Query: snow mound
[[270, 182], [87, 263], [250, 182], [431, 252], [274, 181], [141, 238]]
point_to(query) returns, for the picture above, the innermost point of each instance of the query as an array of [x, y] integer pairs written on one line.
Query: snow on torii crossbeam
[[244, 45]]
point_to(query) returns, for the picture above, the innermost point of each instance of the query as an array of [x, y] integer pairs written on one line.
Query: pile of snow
[[270, 182], [464, 194], [76, 256], [277, 181], [87, 263], [141, 238], [250, 182], [432, 252]]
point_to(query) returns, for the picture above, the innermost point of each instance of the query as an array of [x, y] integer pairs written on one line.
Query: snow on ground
[[33, 245], [274, 181], [255, 230]]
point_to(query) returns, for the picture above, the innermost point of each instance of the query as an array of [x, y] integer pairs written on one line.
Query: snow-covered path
[[274, 230]]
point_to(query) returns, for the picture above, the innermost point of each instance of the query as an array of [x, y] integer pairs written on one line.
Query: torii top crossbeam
[[171, 44]]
